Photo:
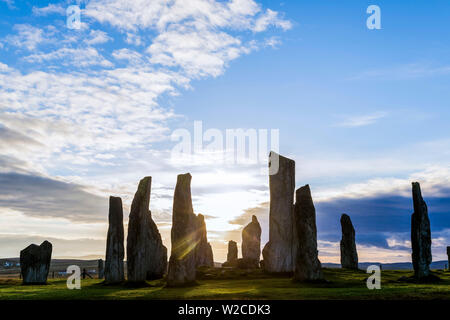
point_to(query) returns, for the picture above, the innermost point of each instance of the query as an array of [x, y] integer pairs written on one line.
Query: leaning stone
[[420, 235], [183, 263], [349, 255], [114, 270], [35, 263], [146, 255], [307, 264], [251, 243], [278, 253]]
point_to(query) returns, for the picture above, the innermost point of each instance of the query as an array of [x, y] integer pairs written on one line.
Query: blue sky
[[91, 111]]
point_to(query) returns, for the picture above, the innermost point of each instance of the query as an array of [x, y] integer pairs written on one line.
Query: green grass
[[216, 284]]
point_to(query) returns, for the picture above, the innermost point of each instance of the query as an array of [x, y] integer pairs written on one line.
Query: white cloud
[[97, 37], [80, 57], [27, 36], [49, 9], [361, 120]]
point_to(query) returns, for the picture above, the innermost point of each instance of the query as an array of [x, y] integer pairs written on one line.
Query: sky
[[87, 112]]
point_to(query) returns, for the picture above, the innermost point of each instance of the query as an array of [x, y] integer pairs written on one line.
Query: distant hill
[[390, 266]]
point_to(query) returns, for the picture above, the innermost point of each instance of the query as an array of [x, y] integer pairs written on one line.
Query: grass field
[[217, 284]]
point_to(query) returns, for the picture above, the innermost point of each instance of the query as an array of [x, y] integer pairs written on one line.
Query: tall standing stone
[[204, 253], [35, 263], [114, 272], [349, 255], [420, 235], [183, 262], [101, 270], [307, 264], [146, 255], [278, 253], [251, 243]]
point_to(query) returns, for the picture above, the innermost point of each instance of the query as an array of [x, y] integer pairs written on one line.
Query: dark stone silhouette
[[35, 263], [232, 254], [278, 253], [251, 244], [420, 235], [114, 271], [448, 255], [183, 262], [204, 253], [146, 255], [349, 255], [101, 270], [307, 264]]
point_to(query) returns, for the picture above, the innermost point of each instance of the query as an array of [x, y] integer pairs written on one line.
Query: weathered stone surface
[[307, 264], [146, 255], [101, 270], [204, 254], [420, 235], [114, 270], [278, 253], [183, 263], [232, 254], [35, 263], [349, 255], [251, 243]]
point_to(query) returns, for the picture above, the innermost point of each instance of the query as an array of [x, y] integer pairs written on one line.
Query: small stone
[[232, 254], [114, 269], [204, 254], [101, 270], [251, 243], [35, 263]]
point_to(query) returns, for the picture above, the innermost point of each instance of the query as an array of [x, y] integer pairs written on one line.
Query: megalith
[[184, 235], [278, 253], [307, 263], [146, 255], [35, 263], [349, 255], [114, 269], [420, 235], [251, 243], [204, 254], [232, 254]]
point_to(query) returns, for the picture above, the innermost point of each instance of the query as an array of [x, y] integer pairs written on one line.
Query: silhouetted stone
[[232, 254], [278, 253], [251, 243], [204, 254], [146, 255], [35, 263], [349, 255], [420, 235], [183, 263], [114, 272], [101, 270], [307, 264], [448, 256]]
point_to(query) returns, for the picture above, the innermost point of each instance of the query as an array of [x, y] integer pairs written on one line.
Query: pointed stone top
[[416, 189], [201, 217], [303, 193], [254, 219], [345, 219]]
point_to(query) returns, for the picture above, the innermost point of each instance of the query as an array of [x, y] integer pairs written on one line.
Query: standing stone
[[204, 254], [232, 255], [101, 270], [251, 243], [349, 255], [448, 256], [278, 253], [182, 263], [35, 263], [114, 272], [146, 255], [307, 264], [420, 235]]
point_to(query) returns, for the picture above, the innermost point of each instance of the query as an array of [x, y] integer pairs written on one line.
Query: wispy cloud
[[404, 72], [361, 120]]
